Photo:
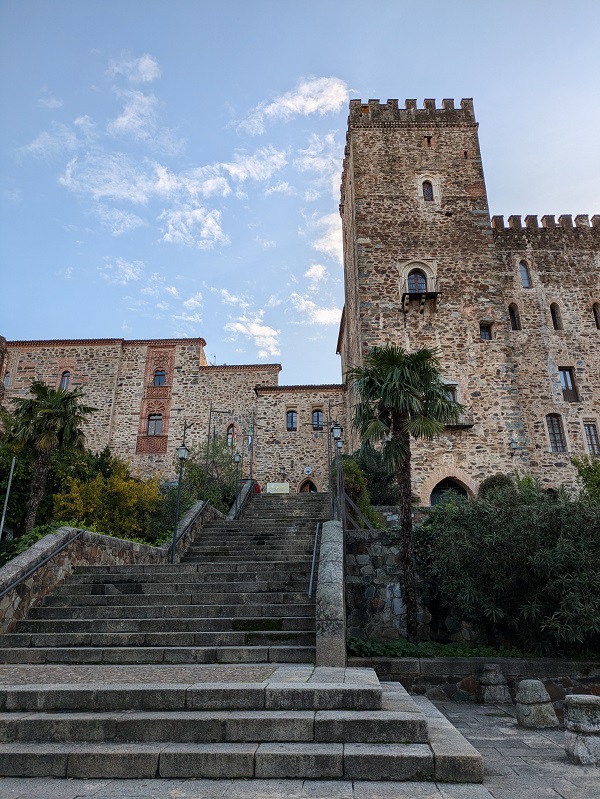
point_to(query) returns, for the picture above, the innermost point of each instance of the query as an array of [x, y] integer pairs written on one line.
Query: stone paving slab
[[104, 674]]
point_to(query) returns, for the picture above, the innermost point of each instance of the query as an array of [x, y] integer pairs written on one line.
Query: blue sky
[[172, 169]]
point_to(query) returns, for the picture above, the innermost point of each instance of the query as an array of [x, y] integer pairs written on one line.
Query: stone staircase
[[203, 669]]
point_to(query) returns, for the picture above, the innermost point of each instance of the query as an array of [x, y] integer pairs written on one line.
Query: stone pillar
[[494, 688], [330, 598], [582, 733], [534, 707]]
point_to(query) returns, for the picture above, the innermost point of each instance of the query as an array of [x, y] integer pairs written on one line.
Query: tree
[[46, 421], [401, 394]]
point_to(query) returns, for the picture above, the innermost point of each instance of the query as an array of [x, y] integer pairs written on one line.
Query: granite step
[[207, 612], [181, 598], [147, 587], [168, 624], [189, 568]]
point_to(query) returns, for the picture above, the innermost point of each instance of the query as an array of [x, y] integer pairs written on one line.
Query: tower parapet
[[548, 225], [376, 113]]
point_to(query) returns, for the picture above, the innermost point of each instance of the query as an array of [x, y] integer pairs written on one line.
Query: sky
[[172, 169]]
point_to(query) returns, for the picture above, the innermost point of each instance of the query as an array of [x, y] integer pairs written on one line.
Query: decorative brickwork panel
[[151, 445]]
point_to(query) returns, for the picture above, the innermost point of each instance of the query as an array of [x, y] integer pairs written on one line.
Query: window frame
[[65, 380], [556, 316], [591, 437], [514, 316], [291, 420], [154, 420], [160, 377], [486, 326], [596, 312], [419, 284], [567, 383], [317, 425], [6, 381], [556, 433], [525, 275]]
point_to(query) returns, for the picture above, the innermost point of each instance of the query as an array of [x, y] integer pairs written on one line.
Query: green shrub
[[588, 469], [380, 482], [355, 485], [519, 564], [427, 649]]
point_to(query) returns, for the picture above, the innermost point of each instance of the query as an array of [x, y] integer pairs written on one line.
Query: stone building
[[513, 309]]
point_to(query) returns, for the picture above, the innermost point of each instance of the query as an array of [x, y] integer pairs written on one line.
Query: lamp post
[[182, 453], [236, 459]]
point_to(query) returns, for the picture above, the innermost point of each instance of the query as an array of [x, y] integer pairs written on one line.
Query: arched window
[[317, 419], [65, 380], [307, 487], [596, 310], [291, 421], [525, 276], [555, 433], [230, 435], [556, 317], [7, 380], [155, 421], [427, 191], [515, 321], [445, 486], [417, 282], [160, 377]]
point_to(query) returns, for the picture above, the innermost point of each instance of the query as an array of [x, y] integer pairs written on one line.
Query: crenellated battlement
[[548, 222], [374, 113]]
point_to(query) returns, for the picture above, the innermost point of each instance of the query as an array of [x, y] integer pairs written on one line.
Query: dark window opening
[[591, 437], [427, 191], [555, 432], [485, 331], [155, 421], [428, 140], [556, 317], [317, 420], [596, 310], [567, 383], [466, 154], [230, 435], [65, 380], [160, 377], [291, 421], [525, 277], [417, 282], [515, 322], [444, 487], [450, 393]]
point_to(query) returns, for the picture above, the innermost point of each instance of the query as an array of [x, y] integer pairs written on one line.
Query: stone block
[[114, 761], [388, 762], [208, 761], [270, 726], [233, 696], [299, 761], [371, 727], [33, 760], [150, 696]]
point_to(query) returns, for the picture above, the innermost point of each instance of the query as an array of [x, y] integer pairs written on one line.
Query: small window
[[230, 435], [555, 432], [65, 380], [160, 377], [155, 421], [427, 191], [515, 321], [596, 310], [417, 282], [556, 317], [317, 419], [591, 438], [485, 331], [450, 393], [568, 385], [7, 380], [291, 421], [525, 276]]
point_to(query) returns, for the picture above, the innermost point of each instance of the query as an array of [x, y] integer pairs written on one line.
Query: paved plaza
[[519, 764]]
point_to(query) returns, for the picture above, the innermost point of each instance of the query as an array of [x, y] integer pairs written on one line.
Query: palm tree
[[45, 421], [401, 394]]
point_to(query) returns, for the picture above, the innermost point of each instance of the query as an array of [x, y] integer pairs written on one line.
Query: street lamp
[[182, 454], [236, 459], [336, 431]]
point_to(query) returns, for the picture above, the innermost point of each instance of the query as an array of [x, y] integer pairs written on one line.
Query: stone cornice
[[98, 342], [248, 367], [308, 387]]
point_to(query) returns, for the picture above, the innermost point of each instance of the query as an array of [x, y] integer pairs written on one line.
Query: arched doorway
[[307, 487], [447, 485]]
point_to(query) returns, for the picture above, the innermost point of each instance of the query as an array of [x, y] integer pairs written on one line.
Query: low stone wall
[[458, 678], [88, 549], [330, 615]]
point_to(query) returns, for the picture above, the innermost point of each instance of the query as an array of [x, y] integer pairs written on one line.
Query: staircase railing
[[243, 498]]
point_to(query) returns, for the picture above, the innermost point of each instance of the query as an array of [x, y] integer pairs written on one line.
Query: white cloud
[[317, 273], [163, 306], [229, 298], [85, 124], [122, 271], [328, 235], [193, 227], [259, 166], [311, 96], [144, 69], [279, 188], [56, 141], [119, 222], [172, 291], [313, 313], [138, 116], [195, 301], [66, 273], [268, 244], [109, 176], [48, 100], [265, 338], [323, 156], [194, 318]]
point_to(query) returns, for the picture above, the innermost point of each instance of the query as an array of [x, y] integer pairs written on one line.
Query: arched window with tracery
[[160, 377], [515, 320], [417, 282], [155, 422], [65, 380], [525, 276]]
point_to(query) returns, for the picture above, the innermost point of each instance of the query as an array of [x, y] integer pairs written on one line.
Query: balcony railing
[[464, 420], [415, 290], [570, 395]]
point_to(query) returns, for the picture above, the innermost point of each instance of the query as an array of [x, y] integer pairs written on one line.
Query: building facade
[[513, 310]]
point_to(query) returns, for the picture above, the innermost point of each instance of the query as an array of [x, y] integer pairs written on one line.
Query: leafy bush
[[427, 649], [380, 482], [588, 469], [10, 549], [521, 565], [495, 481], [356, 487]]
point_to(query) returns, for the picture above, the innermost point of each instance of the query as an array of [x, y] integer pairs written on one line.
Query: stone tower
[[424, 266]]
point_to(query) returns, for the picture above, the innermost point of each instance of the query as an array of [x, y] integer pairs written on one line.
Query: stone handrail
[[57, 554], [330, 598]]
